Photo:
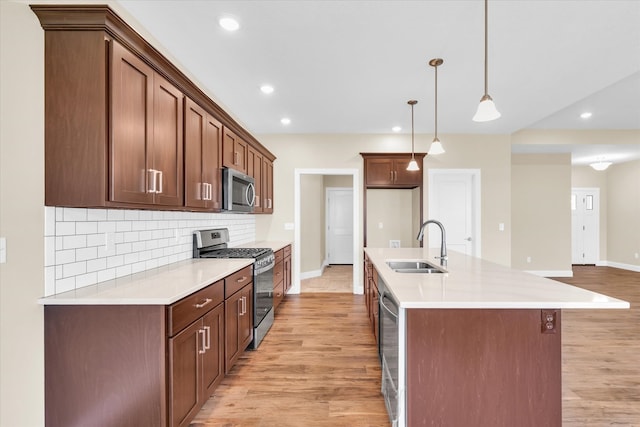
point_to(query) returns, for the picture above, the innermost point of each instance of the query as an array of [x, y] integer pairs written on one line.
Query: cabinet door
[[203, 143], [403, 176], [254, 166], [379, 172], [233, 306], [287, 274], [213, 358], [167, 143], [184, 373], [267, 185], [195, 192], [246, 318], [234, 151], [212, 161], [131, 122]]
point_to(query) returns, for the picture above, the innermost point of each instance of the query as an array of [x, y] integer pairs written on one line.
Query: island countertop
[[471, 282]]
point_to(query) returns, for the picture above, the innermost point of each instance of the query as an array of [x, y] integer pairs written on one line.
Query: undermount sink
[[414, 266]]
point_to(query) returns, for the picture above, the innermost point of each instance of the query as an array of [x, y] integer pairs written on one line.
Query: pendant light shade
[[600, 165], [413, 165], [436, 145], [487, 110]]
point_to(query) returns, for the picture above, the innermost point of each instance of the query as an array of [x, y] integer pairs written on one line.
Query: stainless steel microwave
[[238, 191]]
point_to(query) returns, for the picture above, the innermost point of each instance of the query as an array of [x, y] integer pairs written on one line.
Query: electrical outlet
[[548, 318], [394, 243], [528, 260]]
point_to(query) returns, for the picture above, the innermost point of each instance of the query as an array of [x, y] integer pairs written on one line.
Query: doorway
[[585, 225], [299, 227], [454, 200]]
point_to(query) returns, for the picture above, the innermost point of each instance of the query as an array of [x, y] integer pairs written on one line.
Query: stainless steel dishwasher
[[389, 350]]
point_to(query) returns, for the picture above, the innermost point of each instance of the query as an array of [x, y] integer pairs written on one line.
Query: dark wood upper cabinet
[[146, 122], [234, 151], [267, 185], [389, 170], [203, 151], [254, 168], [115, 131]]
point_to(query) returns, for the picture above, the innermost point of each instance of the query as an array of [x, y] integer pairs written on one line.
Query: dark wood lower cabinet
[[482, 367], [196, 363], [143, 365]]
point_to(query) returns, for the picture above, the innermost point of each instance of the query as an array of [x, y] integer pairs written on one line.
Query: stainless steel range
[[213, 244]]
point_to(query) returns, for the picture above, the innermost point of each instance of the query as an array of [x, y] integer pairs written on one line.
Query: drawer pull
[[203, 303], [242, 279]]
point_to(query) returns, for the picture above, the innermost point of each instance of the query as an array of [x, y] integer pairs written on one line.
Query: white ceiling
[[351, 66]]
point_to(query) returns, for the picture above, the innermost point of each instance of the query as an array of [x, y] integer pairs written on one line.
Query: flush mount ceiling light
[[229, 23], [600, 165], [285, 120], [487, 110], [413, 165], [436, 145], [396, 128], [266, 89], [585, 115]]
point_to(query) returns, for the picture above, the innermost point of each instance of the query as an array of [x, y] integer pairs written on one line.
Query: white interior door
[[339, 234], [454, 200], [585, 225]]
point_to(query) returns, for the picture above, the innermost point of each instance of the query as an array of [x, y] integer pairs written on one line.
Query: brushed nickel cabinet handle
[[203, 303], [202, 350], [242, 279], [207, 346]]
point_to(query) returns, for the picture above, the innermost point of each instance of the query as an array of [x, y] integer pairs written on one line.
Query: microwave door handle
[[250, 200]]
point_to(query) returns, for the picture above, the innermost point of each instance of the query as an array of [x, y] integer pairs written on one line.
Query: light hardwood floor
[[335, 278], [318, 365], [601, 353]]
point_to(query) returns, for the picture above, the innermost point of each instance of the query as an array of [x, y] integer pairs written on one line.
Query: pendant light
[[413, 165], [487, 110], [436, 145]]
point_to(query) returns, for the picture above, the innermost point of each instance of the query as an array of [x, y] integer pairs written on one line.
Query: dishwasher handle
[[387, 309]]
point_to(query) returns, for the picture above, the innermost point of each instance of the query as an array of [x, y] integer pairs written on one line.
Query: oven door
[[263, 292]]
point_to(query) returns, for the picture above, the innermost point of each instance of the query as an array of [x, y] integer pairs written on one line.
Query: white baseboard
[[313, 273], [621, 265], [551, 273]]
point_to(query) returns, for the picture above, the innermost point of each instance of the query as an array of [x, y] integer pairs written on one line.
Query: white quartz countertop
[[159, 286], [474, 283]]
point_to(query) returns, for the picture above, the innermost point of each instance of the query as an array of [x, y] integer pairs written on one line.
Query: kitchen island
[[476, 345]]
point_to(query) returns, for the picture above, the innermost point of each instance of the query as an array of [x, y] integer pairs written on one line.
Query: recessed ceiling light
[[585, 115], [266, 89], [228, 23], [285, 120], [396, 128]]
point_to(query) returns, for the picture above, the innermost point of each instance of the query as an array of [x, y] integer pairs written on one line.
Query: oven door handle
[[264, 268]]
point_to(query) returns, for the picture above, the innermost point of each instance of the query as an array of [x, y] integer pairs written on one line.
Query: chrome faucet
[[443, 243]]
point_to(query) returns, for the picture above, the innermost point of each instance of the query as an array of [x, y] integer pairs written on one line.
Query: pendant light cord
[[486, 48], [436, 101], [412, 150]]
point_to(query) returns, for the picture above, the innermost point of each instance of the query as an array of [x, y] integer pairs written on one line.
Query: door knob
[[468, 239]]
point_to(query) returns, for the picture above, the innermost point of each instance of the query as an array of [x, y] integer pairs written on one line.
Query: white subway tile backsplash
[[96, 215], [88, 246]]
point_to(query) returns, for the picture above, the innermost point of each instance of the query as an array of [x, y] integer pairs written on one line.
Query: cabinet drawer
[[278, 294], [278, 273], [287, 251], [188, 309], [279, 255], [236, 281]]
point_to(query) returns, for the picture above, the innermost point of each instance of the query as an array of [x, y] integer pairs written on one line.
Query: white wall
[[21, 216]]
